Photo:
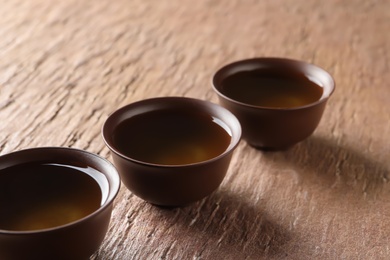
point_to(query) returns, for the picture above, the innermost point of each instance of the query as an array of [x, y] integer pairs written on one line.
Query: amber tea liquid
[[171, 138], [39, 196], [271, 88]]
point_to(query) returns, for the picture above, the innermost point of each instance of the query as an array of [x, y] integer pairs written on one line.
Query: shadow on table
[[227, 226], [339, 166]]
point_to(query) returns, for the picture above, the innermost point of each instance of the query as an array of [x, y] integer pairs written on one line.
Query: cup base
[[270, 148]]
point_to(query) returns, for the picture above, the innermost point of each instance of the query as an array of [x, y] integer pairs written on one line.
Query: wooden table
[[66, 65]]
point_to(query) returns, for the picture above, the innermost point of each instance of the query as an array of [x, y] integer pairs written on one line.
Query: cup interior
[[220, 115], [100, 173], [312, 72]]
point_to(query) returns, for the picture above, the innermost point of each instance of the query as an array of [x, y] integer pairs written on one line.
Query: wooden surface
[[66, 65]]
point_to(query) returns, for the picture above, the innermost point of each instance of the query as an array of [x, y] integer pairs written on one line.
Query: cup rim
[[273, 60], [113, 188], [207, 105]]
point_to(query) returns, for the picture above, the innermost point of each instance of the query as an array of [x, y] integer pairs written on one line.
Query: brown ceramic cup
[[75, 240], [172, 185], [270, 128]]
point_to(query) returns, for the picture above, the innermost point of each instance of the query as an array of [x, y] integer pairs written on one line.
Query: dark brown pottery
[[172, 185], [270, 128], [75, 240]]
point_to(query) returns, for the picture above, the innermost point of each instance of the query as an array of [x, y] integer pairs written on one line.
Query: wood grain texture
[[65, 65]]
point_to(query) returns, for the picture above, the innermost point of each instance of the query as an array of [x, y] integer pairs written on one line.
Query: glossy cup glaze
[[75, 240], [171, 185], [271, 128]]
